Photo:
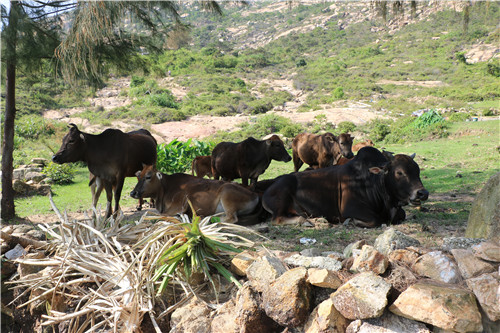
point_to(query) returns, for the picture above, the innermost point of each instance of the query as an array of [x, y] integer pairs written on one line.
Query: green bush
[[137, 81], [338, 93], [177, 156], [428, 118], [60, 173], [493, 69], [345, 127], [33, 127]]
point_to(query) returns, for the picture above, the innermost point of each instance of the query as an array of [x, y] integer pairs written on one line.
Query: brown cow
[[360, 145], [369, 189], [247, 159], [208, 197], [110, 156], [320, 151], [202, 166]]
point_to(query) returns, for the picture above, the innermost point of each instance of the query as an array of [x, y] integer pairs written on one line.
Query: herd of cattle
[[370, 188]]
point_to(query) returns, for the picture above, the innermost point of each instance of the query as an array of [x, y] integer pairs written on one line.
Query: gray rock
[[325, 318], [223, 321], [250, 317], [353, 246], [39, 160], [450, 243], [264, 271], [312, 252], [362, 297], [393, 239], [314, 262], [469, 265], [388, 323], [17, 252], [370, 260], [34, 176], [288, 299], [436, 265], [484, 217], [488, 251]]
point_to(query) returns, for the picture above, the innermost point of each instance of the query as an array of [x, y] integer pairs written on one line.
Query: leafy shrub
[[33, 127], [137, 81], [461, 57], [459, 116], [428, 118], [345, 127], [166, 100], [177, 156], [338, 93], [493, 69], [60, 173], [301, 63], [378, 130]]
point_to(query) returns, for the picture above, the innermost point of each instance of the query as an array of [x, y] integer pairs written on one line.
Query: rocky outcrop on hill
[[29, 179]]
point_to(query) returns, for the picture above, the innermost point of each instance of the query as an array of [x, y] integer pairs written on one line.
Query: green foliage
[[378, 129], [461, 57], [33, 127], [345, 127], [177, 156], [427, 119], [338, 93], [301, 63], [493, 69], [137, 81], [60, 173]]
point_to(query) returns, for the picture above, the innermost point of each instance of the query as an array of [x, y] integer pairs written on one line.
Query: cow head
[[345, 142], [403, 180], [148, 182], [72, 148], [276, 149]]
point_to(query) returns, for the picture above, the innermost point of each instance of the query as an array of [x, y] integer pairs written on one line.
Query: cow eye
[[399, 173]]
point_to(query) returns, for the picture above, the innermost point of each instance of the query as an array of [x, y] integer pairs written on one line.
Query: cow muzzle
[[420, 195], [135, 194], [56, 159]]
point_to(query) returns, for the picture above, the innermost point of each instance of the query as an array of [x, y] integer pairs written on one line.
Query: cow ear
[[377, 170], [413, 156], [388, 155], [268, 142], [158, 174]]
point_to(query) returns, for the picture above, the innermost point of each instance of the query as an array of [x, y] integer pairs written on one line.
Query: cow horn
[[389, 155], [71, 125], [413, 156]]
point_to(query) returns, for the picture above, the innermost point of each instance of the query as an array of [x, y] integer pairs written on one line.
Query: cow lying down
[[208, 197], [370, 189]]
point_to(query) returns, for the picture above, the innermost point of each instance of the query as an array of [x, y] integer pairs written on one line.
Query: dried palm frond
[[100, 275]]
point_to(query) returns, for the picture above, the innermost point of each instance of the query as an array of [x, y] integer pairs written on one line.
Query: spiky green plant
[[196, 245]]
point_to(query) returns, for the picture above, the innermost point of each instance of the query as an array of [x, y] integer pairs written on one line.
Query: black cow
[[110, 156], [370, 189], [247, 159]]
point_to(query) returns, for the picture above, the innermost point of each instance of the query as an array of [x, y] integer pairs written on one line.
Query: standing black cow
[[110, 156], [247, 159], [370, 189]]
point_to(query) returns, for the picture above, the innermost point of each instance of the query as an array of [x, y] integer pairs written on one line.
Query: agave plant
[[195, 245]]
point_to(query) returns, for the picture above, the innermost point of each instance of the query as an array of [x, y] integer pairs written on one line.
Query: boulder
[[39, 160], [405, 256], [450, 243], [326, 319], [353, 246], [446, 306], [223, 321], [34, 176], [250, 317], [241, 262], [264, 271], [393, 239], [364, 296], [287, 301], [323, 278], [192, 317], [388, 323], [488, 251], [470, 266], [370, 260], [314, 262], [484, 217], [487, 290], [438, 266]]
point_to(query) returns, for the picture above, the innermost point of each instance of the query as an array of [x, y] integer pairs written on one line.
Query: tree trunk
[[7, 202]]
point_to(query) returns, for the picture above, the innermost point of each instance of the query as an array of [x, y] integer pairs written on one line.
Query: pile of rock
[[392, 286], [29, 179]]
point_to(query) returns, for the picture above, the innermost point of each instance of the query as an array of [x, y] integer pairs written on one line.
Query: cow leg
[[118, 193], [109, 197], [139, 205], [236, 202], [297, 162], [364, 224]]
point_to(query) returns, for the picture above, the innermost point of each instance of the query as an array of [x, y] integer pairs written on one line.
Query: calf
[[320, 151], [208, 197], [370, 189], [247, 159], [202, 166], [360, 145]]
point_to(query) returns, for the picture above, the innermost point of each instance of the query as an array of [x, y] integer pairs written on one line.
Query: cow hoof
[[139, 208]]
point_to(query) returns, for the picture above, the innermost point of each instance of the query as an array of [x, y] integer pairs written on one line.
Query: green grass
[[74, 197]]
